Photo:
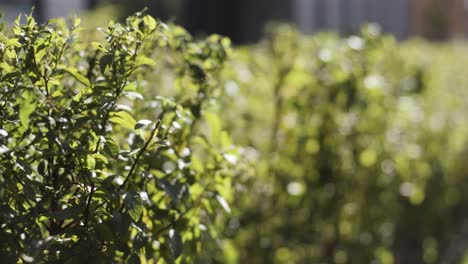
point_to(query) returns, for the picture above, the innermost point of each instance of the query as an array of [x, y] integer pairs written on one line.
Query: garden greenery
[[139, 144], [93, 169]]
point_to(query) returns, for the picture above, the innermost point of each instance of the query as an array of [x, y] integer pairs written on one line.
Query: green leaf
[[100, 157], [150, 22], [215, 126], [90, 162], [124, 119], [104, 62], [98, 46], [10, 54], [81, 93], [27, 107], [57, 93], [40, 54], [7, 68], [78, 76], [131, 87], [143, 60], [134, 205], [13, 42], [76, 22], [111, 147], [30, 21], [17, 27], [197, 164], [175, 243]]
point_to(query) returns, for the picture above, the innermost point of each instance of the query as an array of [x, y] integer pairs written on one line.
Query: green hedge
[[359, 143], [136, 143]]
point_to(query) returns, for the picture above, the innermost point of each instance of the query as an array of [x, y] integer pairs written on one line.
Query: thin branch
[[139, 155]]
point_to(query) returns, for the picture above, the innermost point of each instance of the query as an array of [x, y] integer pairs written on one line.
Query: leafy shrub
[[95, 164]]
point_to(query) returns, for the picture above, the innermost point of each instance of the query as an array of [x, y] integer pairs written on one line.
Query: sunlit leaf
[[78, 76], [124, 119], [27, 107], [150, 22]]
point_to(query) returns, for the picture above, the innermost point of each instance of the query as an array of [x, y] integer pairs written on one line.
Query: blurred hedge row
[[359, 146]]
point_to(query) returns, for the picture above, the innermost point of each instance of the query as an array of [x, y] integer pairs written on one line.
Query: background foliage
[[359, 143], [136, 143]]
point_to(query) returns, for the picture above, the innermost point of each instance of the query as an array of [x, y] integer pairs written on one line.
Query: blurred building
[[44, 9], [244, 20], [346, 16], [55, 8], [11, 8], [439, 19]]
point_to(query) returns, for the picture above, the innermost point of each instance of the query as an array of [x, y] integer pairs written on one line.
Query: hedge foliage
[[139, 144], [360, 145], [95, 165]]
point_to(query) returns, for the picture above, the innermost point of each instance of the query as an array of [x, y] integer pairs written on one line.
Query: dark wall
[[212, 16], [242, 20]]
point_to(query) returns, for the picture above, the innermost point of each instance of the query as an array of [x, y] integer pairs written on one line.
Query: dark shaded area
[[38, 7], [93, 3], [436, 19], [242, 20]]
